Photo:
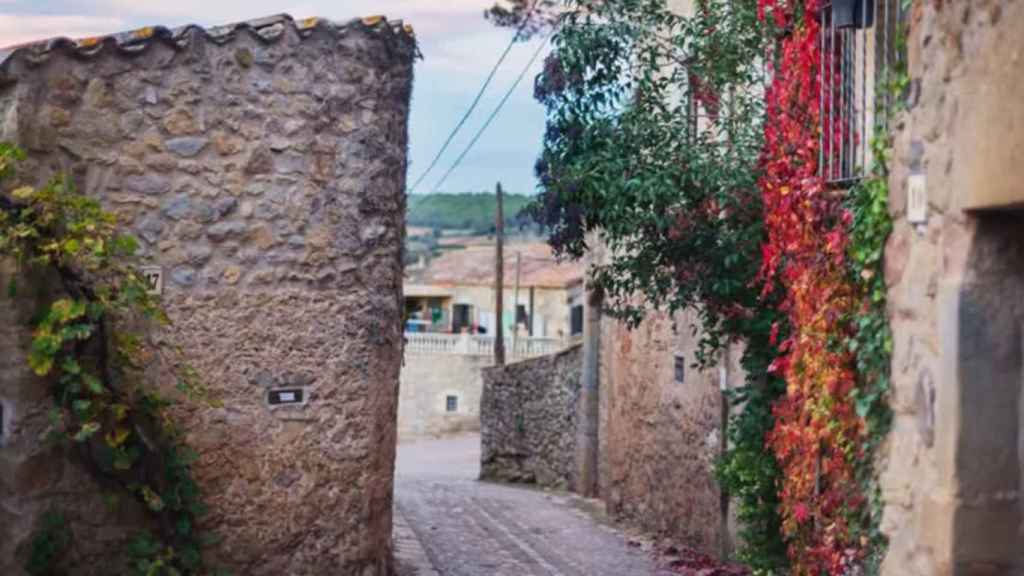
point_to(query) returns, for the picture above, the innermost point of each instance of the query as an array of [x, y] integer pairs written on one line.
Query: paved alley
[[449, 524]]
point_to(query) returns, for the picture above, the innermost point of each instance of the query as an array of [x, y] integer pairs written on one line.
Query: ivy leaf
[[65, 310], [152, 499], [184, 526], [117, 437], [124, 460], [88, 430], [120, 411], [45, 346], [23, 193], [71, 366], [71, 247], [81, 406], [93, 384]]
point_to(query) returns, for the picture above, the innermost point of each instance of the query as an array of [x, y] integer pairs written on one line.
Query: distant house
[[454, 293]]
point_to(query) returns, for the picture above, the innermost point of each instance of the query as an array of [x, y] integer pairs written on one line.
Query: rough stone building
[[625, 418], [954, 470], [262, 165], [661, 429]]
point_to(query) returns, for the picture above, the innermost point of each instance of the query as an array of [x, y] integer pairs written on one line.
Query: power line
[[490, 118], [472, 106]]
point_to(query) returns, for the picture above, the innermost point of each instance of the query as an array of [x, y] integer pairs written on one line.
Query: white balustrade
[[473, 345]]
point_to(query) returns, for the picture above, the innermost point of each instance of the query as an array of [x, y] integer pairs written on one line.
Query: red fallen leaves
[[816, 438], [688, 562]]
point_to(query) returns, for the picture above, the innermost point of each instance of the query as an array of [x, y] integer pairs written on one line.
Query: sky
[[459, 48]]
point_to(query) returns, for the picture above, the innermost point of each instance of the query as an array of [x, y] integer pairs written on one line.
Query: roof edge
[[267, 30]]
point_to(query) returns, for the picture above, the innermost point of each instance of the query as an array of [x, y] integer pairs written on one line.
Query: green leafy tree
[[528, 17], [654, 131]]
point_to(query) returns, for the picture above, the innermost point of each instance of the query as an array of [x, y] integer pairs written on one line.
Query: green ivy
[[868, 203], [748, 472], [90, 344]]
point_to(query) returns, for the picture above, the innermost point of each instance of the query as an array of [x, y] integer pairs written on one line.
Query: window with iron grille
[[451, 403], [860, 48]]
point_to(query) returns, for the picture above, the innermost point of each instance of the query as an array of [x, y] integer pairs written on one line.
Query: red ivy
[[817, 434]]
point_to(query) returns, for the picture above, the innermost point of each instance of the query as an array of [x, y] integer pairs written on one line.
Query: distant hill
[[470, 212]]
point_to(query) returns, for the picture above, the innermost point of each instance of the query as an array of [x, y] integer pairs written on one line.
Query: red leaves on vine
[[817, 430]]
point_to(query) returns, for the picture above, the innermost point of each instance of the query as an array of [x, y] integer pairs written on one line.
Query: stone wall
[[427, 380], [954, 466], [37, 478], [528, 420], [263, 168], [661, 430]]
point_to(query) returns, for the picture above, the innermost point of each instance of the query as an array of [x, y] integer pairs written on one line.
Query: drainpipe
[[589, 402]]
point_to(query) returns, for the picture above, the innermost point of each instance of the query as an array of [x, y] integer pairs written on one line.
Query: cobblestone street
[[448, 524]]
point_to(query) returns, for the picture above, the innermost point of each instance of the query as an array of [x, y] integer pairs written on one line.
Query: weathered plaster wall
[[426, 382], [551, 307], [660, 436], [528, 420], [265, 174], [952, 472]]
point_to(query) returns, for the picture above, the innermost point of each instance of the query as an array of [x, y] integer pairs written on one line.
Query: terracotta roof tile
[[267, 29], [474, 266]]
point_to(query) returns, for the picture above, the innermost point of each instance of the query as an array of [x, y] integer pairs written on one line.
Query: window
[[522, 317], [858, 40], [462, 315], [451, 403], [680, 366], [576, 320]]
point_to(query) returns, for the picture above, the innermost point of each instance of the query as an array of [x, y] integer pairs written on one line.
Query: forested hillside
[[471, 212]]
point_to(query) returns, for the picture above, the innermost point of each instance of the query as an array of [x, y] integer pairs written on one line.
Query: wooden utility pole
[[499, 281], [515, 308]]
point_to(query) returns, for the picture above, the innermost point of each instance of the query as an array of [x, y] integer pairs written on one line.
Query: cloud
[[424, 14], [458, 45], [21, 28]]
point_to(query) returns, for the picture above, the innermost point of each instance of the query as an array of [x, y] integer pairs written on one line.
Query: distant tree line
[[472, 212]]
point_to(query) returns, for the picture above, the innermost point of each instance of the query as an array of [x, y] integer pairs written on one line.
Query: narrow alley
[[449, 524]]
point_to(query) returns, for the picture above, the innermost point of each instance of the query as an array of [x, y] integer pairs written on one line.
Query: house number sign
[[154, 277], [286, 396]]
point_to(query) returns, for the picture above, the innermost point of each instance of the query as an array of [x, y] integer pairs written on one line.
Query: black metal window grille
[[860, 47], [451, 404]]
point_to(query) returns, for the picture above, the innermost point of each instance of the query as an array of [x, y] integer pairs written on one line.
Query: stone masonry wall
[[36, 477], [263, 168], [661, 431], [528, 420], [954, 466]]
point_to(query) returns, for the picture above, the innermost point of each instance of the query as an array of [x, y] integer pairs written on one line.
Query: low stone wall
[[528, 420]]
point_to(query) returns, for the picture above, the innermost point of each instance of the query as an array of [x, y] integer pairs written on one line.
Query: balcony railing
[[473, 345]]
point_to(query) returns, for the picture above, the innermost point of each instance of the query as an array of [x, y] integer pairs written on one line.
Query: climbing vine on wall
[[871, 343], [654, 130], [90, 345], [626, 87], [825, 248]]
